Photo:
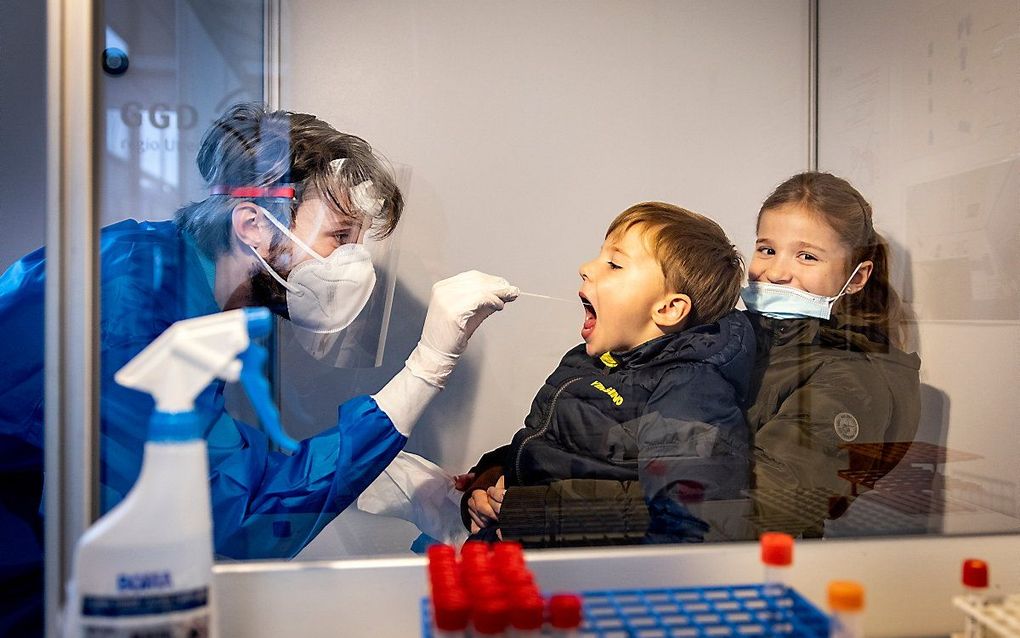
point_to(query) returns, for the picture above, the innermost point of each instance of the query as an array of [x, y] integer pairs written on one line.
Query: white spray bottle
[[145, 568]]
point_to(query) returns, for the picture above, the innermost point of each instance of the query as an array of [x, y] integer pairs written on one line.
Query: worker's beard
[[265, 290]]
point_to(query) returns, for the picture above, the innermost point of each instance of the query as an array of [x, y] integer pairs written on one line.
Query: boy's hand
[[484, 505], [463, 481], [495, 494]]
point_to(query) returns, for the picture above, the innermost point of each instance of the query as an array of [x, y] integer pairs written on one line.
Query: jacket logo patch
[[846, 426], [608, 360], [613, 394]]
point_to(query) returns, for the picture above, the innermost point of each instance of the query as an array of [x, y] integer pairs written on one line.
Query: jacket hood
[[728, 344]]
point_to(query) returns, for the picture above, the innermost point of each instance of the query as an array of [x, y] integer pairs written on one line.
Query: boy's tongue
[[589, 323]]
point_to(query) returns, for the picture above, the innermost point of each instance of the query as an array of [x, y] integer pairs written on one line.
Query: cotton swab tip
[[550, 298]]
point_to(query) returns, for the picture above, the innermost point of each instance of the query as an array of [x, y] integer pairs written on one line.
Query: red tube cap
[[527, 612], [452, 612], [508, 550], [975, 573], [491, 616], [473, 548], [441, 553], [565, 611], [776, 549], [517, 578]]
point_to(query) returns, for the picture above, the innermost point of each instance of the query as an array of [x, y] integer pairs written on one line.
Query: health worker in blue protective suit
[[291, 201]]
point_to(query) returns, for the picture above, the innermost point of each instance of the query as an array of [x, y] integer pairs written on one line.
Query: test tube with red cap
[[975, 589], [525, 606], [777, 556], [475, 565], [565, 615], [527, 613], [451, 613], [451, 607], [846, 602], [508, 552], [491, 615]]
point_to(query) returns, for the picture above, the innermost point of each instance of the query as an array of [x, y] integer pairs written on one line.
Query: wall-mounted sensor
[[115, 61]]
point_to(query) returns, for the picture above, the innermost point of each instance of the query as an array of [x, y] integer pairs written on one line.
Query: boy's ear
[[245, 220], [671, 311]]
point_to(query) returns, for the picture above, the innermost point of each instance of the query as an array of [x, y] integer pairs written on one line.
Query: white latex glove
[[458, 305], [419, 491]]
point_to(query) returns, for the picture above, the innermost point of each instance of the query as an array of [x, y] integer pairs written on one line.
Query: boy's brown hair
[[696, 256]]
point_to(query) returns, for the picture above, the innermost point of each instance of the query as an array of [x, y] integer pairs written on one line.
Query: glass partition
[[23, 193], [547, 132], [918, 107], [168, 71], [616, 400], [528, 129]]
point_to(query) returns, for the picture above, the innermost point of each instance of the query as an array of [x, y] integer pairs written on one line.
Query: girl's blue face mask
[[787, 302]]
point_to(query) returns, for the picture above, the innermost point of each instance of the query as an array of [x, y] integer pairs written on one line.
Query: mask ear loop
[[294, 238], [291, 236], [275, 275], [842, 290]]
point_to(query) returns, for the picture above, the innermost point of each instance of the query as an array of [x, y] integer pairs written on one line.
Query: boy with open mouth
[[644, 417]]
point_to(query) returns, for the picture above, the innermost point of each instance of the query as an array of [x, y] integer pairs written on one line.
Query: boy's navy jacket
[[669, 411]]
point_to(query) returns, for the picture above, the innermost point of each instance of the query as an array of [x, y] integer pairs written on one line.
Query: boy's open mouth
[[590, 317]]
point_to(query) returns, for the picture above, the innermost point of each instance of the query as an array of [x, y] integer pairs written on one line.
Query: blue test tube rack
[[695, 612]]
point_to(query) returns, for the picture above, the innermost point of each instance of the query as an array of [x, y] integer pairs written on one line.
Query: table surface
[[909, 582]]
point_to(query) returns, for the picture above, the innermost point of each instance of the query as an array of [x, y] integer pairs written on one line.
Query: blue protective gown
[[265, 504]]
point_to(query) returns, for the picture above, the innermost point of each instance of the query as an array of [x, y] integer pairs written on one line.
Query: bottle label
[[181, 614], [194, 625]]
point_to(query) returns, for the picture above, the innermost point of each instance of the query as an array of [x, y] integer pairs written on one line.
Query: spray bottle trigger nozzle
[[260, 321], [257, 388]]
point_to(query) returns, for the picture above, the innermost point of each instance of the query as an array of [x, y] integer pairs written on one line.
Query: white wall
[[920, 108], [528, 127]]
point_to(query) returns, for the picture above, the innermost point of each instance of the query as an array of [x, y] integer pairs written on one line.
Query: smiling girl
[[829, 370]]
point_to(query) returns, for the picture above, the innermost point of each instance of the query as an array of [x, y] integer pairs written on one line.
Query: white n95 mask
[[325, 294], [786, 302]]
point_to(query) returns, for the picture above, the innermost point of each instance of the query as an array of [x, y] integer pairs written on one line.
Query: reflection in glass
[[836, 429], [188, 62], [919, 109], [848, 420], [281, 226]]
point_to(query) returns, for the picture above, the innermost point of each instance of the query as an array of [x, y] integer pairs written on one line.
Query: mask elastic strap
[[291, 236], [842, 290], [275, 275]]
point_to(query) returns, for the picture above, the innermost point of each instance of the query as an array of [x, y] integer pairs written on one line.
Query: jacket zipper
[[545, 425]]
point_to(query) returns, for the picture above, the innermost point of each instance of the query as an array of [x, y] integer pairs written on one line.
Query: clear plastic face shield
[[355, 338]]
